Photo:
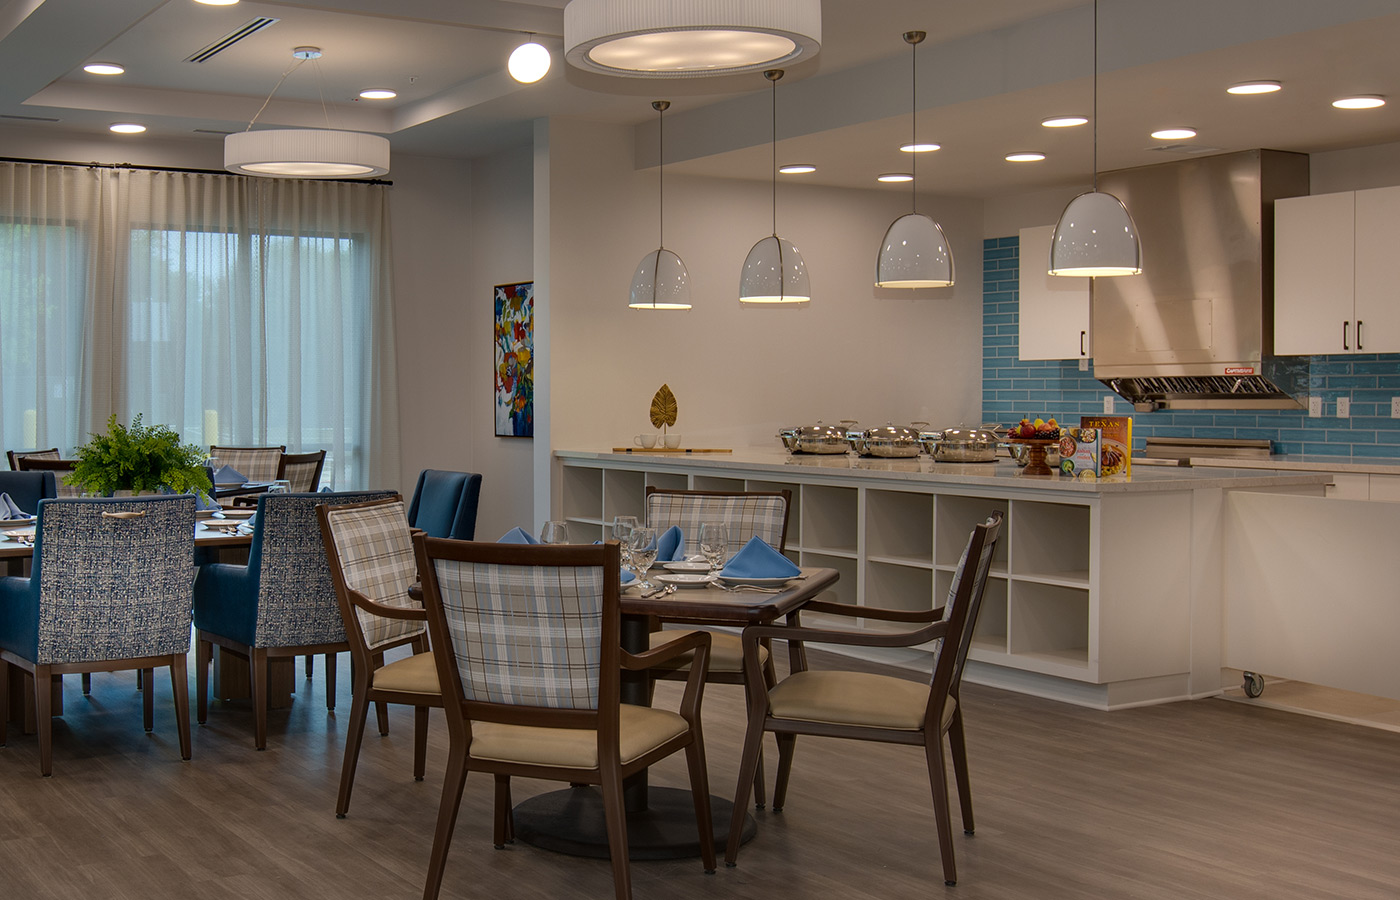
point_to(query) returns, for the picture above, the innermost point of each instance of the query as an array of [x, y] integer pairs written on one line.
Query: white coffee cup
[[646, 441], [672, 440]]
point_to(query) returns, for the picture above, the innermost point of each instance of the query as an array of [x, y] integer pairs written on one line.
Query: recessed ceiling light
[[1063, 121], [217, 2], [796, 169], [1360, 101], [1174, 134], [921, 148], [127, 128], [103, 68], [378, 94], [1025, 156], [895, 177], [1254, 87]]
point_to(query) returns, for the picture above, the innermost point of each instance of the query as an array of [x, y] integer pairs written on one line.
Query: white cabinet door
[[1054, 316], [1314, 274], [1377, 327]]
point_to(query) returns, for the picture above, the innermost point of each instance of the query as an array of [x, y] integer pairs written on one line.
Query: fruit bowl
[[1035, 453]]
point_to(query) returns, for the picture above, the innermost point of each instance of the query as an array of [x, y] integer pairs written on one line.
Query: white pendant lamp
[[305, 152], [661, 280], [774, 271], [915, 252], [689, 38], [1095, 237]]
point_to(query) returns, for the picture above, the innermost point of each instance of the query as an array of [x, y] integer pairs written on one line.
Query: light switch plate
[[1343, 407], [1084, 367], [1314, 407], [1108, 405]]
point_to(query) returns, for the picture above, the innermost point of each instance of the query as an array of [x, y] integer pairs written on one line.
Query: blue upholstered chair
[[280, 604], [110, 590], [28, 488], [444, 504]]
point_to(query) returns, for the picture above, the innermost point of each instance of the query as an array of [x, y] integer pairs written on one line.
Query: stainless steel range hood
[[1195, 330]]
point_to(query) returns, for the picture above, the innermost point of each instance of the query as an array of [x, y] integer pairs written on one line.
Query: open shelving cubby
[[829, 520]]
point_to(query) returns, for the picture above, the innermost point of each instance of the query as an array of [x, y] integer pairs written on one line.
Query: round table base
[[571, 821]]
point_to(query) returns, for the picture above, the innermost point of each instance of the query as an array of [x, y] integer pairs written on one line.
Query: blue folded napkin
[[518, 535], [759, 560], [671, 545], [628, 577], [8, 509], [229, 475], [205, 501]]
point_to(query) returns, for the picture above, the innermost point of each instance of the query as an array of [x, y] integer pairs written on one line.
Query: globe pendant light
[[661, 281], [915, 252], [774, 271], [1095, 236]]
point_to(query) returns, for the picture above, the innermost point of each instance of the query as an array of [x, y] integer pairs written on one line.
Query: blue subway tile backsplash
[[1013, 388]]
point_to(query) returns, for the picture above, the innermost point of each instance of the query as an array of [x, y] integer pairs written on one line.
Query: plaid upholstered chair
[[14, 456], [281, 604], [444, 504], [61, 468], [253, 463], [301, 470], [748, 514], [370, 551], [110, 590], [527, 642], [868, 707]]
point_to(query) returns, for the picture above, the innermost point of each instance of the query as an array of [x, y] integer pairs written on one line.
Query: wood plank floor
[[1207, 799]]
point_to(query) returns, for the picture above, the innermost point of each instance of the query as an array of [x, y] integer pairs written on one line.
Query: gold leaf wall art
[[663, 407]]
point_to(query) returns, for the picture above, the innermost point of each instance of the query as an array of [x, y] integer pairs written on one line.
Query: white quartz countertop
[[1003, 473], [1360, 465]]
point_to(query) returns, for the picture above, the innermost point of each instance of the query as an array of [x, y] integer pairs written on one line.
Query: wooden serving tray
[[670, 450]]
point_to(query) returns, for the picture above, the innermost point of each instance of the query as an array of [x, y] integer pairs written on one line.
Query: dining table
[[660, 820]]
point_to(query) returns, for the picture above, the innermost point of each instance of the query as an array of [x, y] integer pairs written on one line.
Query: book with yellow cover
[[1115, 456]]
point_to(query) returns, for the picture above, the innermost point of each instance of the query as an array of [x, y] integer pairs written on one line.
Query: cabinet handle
[[1345, 325], [1081, 343], [1358, 334]]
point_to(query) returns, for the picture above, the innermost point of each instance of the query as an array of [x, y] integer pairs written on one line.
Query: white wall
[[739, 373]]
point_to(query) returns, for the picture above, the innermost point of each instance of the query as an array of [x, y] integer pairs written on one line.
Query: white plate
[[20, 536], [240, 512], [222, 526], [686, 565], [759, 582], [4, 523], [683, 579]]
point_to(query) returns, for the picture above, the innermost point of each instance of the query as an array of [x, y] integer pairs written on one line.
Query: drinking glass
[[642, 544], [714, 544], [554, 532], [621, 530], [279, 486]]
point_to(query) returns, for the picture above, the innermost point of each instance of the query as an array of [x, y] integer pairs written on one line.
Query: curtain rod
[[98, 165]]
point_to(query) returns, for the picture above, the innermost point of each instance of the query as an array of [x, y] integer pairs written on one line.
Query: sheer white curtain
[[237, 311]]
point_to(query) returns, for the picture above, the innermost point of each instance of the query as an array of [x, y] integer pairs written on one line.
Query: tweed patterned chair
[[444, 504], [527, 642], [109, 590], [370, 551], [254, 463], [282, 603], [868, 707], [748, 514], [302, 470]]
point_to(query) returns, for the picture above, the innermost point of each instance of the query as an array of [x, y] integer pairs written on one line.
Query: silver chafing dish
[[818, 438], [962, 444], [887, 441]]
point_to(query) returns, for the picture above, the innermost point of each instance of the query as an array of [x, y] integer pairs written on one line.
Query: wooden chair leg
[[615, 816], [958, 750], [359, 711], [938, 779], [787, 746], [700, 789], [310, 664], [203, 654], [452, 785], [180, 686], [503, 820], [140, 680], [87, 682], [420, 742], [4, 701], [753, 742], [257, 665], [43, 718], [148, 700], [330, 680], [381, 709]]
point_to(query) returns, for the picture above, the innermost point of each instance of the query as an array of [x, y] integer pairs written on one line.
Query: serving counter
[[1102, 593]]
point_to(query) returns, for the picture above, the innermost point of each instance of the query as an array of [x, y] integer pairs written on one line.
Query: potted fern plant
[[139, 458]]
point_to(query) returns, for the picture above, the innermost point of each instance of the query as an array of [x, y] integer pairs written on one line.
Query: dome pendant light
[[915, 252], [1095, 237], [661, 281], [774, 271]]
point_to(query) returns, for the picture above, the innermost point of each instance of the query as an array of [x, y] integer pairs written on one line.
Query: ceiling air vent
[[30, 118], [231, 38], [1191, 149]]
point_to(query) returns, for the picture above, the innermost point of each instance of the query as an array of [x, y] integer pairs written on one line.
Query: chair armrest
[[633, 662], [415, 613], [873, 612], [794, 633]]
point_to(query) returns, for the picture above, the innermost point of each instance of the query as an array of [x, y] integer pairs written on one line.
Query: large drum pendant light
[[661, 280], [774, 271], [1095, 236], [915, 252]]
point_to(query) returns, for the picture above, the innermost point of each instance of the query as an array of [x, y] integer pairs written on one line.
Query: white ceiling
[[988, 73]]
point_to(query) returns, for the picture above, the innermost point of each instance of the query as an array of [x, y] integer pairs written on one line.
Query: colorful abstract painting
[[515, 361]]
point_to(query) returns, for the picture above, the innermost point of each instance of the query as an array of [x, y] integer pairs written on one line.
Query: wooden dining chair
[[109, 591], [527, 640], [253, 463], [301, 470], [369, 548], [61, 468], [14, 456], [869, 707]]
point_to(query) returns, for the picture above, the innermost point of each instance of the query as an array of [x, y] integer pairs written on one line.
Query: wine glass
[[642, 545], [714, 544], [621, 530], [554, 532]]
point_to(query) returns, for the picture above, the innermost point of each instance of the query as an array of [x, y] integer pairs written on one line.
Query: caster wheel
[[1253, 684]]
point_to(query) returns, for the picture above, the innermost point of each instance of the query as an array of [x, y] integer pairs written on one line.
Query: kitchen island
[[1102, 593]]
